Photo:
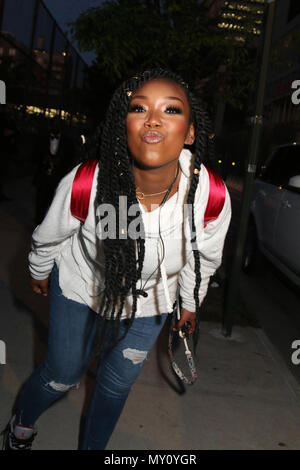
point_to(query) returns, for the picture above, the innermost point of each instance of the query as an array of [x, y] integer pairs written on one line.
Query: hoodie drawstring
[[164, 276]]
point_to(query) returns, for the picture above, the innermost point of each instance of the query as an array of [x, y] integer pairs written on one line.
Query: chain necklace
[[141, 195]]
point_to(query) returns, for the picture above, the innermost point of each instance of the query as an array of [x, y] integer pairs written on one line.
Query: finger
[[181, 324], [178, 325], [191, 330], [44, 289], [36, 289], [189, 326]]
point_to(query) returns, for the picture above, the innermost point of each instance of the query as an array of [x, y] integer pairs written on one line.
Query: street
[[277, 306]]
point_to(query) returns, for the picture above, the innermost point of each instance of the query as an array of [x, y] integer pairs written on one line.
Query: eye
[[173, 110], [136, 108]]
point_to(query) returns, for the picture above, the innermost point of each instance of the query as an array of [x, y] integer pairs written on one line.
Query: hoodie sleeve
[[57, 226], [210, 248]]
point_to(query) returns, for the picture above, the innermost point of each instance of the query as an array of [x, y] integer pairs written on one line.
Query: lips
[[152, 137]]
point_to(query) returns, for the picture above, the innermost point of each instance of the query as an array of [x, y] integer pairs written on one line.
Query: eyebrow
[[165, 98]]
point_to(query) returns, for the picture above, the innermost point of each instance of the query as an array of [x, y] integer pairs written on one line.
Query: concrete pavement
[[245, 397]]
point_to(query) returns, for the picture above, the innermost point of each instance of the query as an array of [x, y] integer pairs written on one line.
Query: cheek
[[132, 126], [180, 129]]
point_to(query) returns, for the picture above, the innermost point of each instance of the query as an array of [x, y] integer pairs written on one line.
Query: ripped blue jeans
[[72, 338]]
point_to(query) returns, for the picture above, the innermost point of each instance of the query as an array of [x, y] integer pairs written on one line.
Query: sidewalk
[[245, 397]]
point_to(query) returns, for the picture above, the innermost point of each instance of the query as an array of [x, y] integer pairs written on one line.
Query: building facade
[[42, 70], [241, 20], [285, 65]]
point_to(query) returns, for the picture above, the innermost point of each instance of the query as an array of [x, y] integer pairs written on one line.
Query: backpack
[[83, 181]]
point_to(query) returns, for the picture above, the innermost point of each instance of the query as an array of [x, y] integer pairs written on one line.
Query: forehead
[[161, 88]]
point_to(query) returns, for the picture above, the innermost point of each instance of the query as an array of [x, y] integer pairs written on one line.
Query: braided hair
[[124, 256]]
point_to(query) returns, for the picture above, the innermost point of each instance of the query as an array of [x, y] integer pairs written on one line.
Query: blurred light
[[294, 143], [279, 187], [233, 163], [53, 112], [64, 54], [64, 114], [219, 161], [83, 139], [34, 110]]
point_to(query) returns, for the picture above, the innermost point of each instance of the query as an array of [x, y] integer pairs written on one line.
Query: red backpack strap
[[81, 189], [83, 181], [216, 198]]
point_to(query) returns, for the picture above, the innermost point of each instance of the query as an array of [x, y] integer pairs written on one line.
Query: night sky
[[68, 10]]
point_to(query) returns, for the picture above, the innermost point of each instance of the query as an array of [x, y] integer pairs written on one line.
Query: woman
[[125, 269]]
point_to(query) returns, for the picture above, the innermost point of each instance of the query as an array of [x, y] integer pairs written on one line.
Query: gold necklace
[[143, 195]]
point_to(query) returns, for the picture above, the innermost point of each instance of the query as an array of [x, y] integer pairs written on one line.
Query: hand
[[186, 317], [40, 286]]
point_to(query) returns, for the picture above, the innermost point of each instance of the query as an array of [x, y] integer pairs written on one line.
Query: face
[[158, 123]]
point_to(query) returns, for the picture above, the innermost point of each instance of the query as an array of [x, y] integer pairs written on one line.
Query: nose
[[152, 120]]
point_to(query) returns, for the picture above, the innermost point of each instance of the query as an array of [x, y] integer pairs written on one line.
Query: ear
[[190, 136]]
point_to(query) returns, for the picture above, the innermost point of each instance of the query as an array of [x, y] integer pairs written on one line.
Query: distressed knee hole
[[135, 355], [61, 387]]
